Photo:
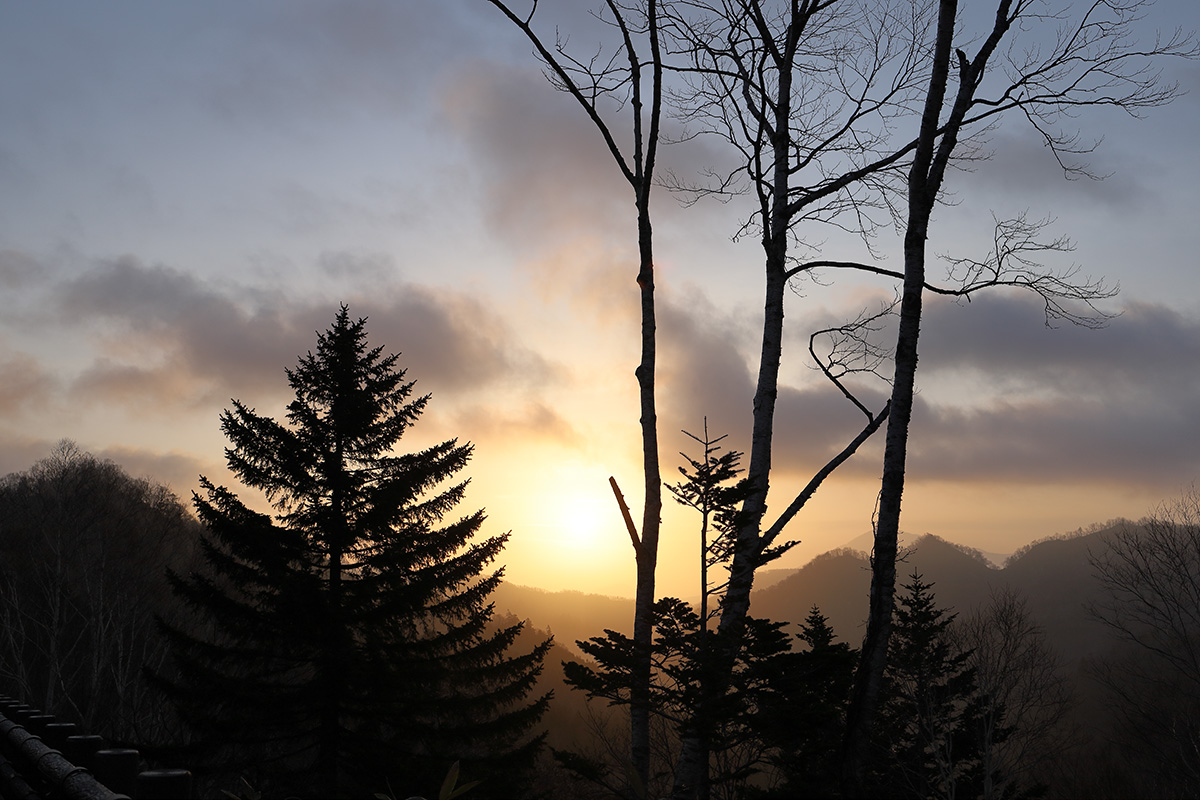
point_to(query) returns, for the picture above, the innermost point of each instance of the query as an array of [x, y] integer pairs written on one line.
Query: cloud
[[533, 421], [24, 384], [1001, 397], [19, 452], [178, 471], [171, 336], [19, 270], [315, 60], [343, 265], [1047, 442], [703, 372], [1113, 404], [175, 470], [596, 277], [1146, 351], [138, 388], [543, 167], [1020, 166]]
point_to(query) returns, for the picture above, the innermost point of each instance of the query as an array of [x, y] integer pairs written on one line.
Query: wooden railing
[[41, 758]]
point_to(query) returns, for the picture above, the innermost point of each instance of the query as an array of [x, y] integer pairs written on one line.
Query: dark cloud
[[1147, 350], [376, 267], [1020, 166], [542, 164], [192, 338], [1001, 397], [1116, 403], [703, 372], [1089, 439]]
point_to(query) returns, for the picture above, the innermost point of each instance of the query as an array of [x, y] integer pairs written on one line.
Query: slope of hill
[[569, 615], [840, 581], [865, 541], [1054, 576]]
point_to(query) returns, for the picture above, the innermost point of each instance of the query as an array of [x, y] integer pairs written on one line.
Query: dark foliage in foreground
[[344, 643]]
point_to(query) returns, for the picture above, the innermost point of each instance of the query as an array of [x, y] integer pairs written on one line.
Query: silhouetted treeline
[[1073, 671], [84, 550]]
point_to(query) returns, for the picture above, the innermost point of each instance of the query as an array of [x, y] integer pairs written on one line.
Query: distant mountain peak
[[865, 541]]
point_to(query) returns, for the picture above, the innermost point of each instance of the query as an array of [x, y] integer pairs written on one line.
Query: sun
[[566, 530], [585, 519], [580, 507]]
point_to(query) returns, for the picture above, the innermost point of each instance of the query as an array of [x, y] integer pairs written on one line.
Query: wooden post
[[118, 769], [164, 784]]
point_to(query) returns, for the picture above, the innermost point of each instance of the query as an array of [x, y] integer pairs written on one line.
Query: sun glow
[[580, 509], [567, 530]]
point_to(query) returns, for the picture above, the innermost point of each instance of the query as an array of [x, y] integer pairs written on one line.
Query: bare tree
[[812, 97], [83, 553], [1151, 575], [805, 94], [633, 74], [1023, 693], [1092, 61]]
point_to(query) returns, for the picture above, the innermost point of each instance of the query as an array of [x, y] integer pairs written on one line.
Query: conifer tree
[[712, 488], [682, 690], [803, 718], [930, 716], [344, 643]]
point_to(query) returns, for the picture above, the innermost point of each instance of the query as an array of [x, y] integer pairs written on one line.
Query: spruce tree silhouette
[[345, 643], [927, 744]]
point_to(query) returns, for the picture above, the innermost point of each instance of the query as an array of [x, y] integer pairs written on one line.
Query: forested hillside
[[1054, 576]]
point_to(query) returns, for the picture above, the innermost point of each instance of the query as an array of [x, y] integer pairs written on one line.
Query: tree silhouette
[[346, 640], [1094, 60], [1024, 694], [712, 488], [681, 691], [83, 551], [803, 717], [927, 736], [1150, 576], [633, 71]]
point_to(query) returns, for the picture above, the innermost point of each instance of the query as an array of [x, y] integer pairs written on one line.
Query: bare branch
[[769, 536], [852, 350], [1016, 243], [1011, 262]]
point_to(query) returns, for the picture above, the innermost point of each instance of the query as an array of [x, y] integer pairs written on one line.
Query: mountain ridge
[[1053, 576]]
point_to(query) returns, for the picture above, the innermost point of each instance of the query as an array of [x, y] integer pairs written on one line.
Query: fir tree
[[802, 719], [683, 692], [347, 639], [931, 707], [712, 488]]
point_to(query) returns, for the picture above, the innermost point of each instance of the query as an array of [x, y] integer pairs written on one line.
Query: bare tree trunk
[[691, 770], [647, 552], [585, 85], [923, 182]]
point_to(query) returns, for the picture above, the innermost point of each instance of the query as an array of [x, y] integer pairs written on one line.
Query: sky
[[188, 191]]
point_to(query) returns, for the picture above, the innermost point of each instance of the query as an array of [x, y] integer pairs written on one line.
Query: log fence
[[44, 759]]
